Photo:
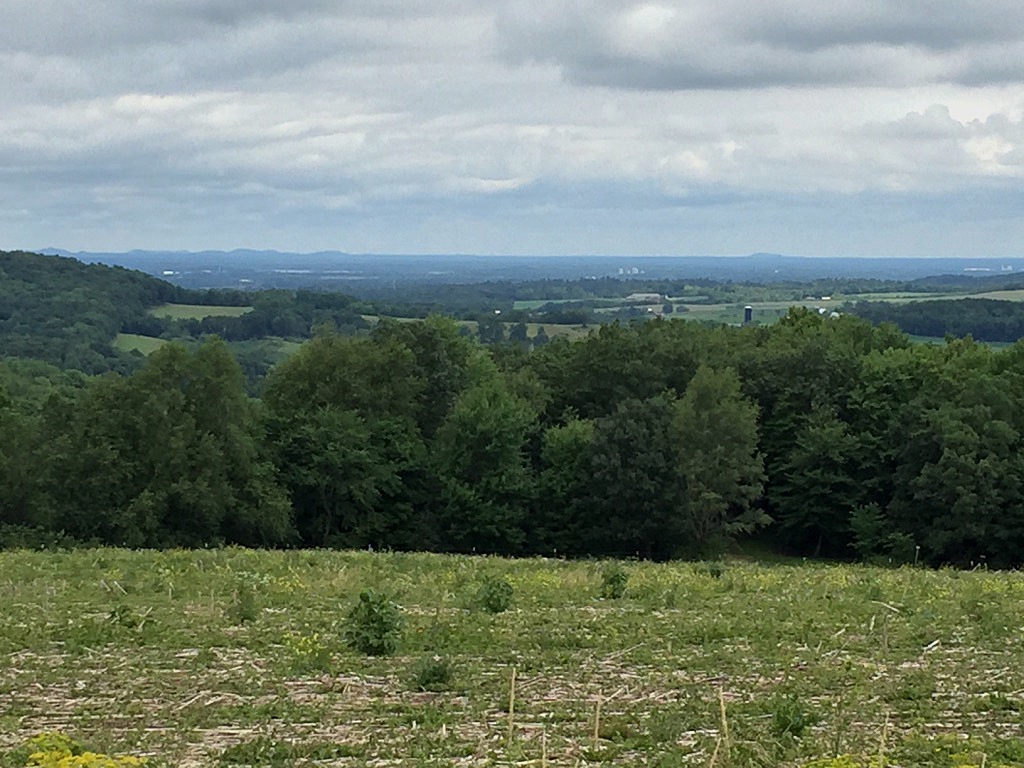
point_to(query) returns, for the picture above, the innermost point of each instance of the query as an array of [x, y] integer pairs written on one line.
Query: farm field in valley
[[196, 311], [147, 345], [237, 657]]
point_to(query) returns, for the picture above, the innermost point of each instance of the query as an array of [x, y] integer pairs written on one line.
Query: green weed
[[374, 625], [430, 673], [495, 595], [614, 580]]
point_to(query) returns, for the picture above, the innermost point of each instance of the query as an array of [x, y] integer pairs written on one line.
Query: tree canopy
[[825, 436]]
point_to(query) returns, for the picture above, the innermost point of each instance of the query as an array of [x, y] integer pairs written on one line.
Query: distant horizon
[[332, 270], [428, 254]]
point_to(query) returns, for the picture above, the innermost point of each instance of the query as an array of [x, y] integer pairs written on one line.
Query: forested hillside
[[68, 313], [982, 319], [669, 438]]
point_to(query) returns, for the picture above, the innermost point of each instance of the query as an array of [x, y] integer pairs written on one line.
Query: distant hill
[[389, 275], [68, 313], [95, 318]]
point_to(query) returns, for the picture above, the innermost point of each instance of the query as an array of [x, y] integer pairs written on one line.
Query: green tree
[[490, 329], [167, 457], [960, 495], [20, 494], [632, 490], [443, 364], [818, 486], [341, 417], [519, 334], [558, 520], [722, 473], [480, 455]]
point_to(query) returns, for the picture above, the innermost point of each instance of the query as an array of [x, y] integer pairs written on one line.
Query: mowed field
[[196, 311], [147, 345], [238, 657]]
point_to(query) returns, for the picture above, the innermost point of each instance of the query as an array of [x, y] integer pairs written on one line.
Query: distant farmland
[[196, 311], [128, 342]]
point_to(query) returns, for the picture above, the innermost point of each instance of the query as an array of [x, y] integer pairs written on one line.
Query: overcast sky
[[870, 127]]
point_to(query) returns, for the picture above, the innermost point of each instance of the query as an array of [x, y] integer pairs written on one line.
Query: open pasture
[[196, 311], [147, 345], [235, 657], [1015, 295]]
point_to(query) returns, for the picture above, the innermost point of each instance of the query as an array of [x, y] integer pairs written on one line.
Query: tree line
[[823, 436], [983, 319]]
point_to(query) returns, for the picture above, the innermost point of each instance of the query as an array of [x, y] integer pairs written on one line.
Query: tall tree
[[167, 457], [480, 455], [818, 486], [631, 498], [443, 364], [341, 422], [558, 521], [722, 473]]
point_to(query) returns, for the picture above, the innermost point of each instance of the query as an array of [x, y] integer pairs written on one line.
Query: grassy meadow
[[147, 345], [196, 311], [235, 657]]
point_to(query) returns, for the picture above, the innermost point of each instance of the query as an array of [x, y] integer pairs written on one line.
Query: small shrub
[[13, 536], [374, 625], [790, 717], [431, 673], [613, 582], [495, 595], [244, 608], [843, 761]]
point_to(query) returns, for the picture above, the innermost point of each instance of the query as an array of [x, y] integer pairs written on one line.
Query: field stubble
[[154, 654]]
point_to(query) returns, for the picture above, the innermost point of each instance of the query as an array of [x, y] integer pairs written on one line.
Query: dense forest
[[982, 319], [825, 436], [821, 435], [68, 314]]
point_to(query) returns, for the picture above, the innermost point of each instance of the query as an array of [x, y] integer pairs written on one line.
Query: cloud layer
[[710, 126], [738, 44]]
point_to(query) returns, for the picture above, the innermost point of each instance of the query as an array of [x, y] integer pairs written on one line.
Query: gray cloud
[[677, 45], [41, 26], [474, 125]]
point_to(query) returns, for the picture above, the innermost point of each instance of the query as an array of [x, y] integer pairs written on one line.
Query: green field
[[234, 657], [196, 311], [127, 342], [554, 330], [537, 303], [769, 311], [1002, 295]]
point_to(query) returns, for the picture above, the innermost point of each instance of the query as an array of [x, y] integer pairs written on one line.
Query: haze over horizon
[[467, 126]]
